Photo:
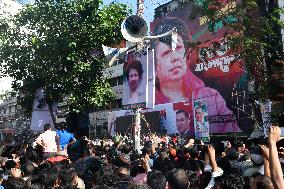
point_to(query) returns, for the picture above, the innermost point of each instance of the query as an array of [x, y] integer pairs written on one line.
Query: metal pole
[[137, 128], [140, 8], [137, 115]]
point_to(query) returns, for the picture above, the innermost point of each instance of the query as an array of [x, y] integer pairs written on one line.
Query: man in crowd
[[49, 142], [64, 137]]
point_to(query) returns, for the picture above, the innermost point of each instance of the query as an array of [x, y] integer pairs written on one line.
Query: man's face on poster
[[182, 122], [170, 65], [133, 79], [199, 114]]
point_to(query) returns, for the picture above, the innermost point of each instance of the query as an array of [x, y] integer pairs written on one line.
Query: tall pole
[[137, 129], [140, 8], [137, 114]]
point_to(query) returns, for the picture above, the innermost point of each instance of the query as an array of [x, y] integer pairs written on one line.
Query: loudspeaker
[[134, 28]]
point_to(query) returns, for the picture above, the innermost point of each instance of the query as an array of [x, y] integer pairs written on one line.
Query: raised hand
[[274, 134], [264, 151]]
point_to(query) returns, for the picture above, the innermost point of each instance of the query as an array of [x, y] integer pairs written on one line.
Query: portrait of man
[[182, 122], [175, 82], [134, 91]]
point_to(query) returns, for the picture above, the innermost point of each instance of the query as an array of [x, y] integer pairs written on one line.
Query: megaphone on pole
[[134, 29]]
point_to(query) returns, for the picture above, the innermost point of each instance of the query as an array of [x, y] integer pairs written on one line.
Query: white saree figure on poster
[[111, 123], [201, 124], [265, 109], [40, 115]]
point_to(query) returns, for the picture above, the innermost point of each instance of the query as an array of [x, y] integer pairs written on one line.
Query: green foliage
[[48, 45], [252, 33]]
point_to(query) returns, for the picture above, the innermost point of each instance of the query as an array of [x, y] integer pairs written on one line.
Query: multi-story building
[[7, 118], [99, 116]]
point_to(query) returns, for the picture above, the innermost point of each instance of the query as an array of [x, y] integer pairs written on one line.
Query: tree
[[57, 46]]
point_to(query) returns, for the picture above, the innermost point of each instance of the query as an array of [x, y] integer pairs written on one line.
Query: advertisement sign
[[138, 80], [201, 124], [265, 109], [211, 71]]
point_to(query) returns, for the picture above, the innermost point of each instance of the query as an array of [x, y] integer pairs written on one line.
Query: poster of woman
[[138, 80]]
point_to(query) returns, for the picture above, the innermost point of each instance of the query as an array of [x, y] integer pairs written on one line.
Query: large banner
[[138, 83], [210, 71]]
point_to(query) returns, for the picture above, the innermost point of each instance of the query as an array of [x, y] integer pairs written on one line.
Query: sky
[[150, 5]]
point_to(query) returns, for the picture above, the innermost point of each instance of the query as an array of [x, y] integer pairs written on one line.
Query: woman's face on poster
[[170, 65], [133, 79]]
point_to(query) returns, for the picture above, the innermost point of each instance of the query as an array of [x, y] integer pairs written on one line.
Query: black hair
[[194, 153], [178, 179], [47, 127], [67, 187], [156, 177], [16, 183], [62, 125], [36, 186], [108, 181], [182, 111], [28, 169], [146, 150], [67, 175], [194, 180], [135, 64], [49, 176], [264, 182], [168, 24], [231, 181], [10, 164]]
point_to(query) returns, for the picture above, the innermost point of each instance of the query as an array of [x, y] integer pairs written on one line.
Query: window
[[113, 82], [120, 80], [119, 103], [107, 107]]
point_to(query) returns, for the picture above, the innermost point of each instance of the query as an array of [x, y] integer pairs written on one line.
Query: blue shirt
[[64, 138]]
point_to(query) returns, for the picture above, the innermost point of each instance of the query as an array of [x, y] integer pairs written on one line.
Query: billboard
[[209, 72], [138, 80]]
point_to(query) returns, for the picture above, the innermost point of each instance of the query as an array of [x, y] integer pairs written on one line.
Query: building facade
[[99, 116]]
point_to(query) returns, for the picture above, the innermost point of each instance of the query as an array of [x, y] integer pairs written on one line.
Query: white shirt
[[48, 141]]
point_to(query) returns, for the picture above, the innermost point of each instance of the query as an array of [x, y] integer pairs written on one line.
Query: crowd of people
[[60, 160]]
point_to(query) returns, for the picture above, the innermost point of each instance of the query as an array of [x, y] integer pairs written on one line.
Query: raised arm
[[275, 166], [265, 154]]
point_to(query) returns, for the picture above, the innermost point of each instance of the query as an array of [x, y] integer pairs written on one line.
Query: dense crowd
[[59, 160]]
